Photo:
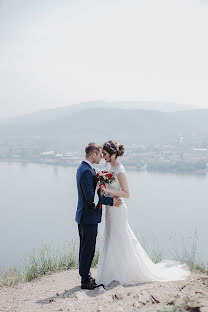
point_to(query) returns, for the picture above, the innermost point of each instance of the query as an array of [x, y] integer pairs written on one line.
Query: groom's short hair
[[92, 148]]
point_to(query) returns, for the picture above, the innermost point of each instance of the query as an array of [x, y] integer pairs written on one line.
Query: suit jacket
[[87, 212]]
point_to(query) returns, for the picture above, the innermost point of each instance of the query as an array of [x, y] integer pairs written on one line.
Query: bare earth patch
[[61, 292]]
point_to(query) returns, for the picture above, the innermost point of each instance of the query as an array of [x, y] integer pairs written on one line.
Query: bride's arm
[[124, 192]]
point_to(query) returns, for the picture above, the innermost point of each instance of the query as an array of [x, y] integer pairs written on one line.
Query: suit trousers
[[88, 235]]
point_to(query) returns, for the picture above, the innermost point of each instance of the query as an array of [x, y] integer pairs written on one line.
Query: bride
[[123, 259]]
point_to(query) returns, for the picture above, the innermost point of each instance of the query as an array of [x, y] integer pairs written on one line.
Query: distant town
[[175, 157]]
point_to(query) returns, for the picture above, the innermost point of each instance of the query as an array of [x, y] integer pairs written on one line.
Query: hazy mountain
[[78, 125], [144, 105], [52, 114]]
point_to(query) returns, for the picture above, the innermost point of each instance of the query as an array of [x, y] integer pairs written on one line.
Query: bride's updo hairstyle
[[112, 147]]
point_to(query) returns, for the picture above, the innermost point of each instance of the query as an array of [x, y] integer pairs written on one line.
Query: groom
[[88, 215]]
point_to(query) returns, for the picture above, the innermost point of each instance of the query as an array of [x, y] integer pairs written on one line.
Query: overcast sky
[[60, 52]]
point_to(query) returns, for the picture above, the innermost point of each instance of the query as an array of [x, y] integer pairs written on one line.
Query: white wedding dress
[[122, 257]]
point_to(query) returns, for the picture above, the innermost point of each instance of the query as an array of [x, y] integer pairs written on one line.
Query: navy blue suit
[[88, 216]]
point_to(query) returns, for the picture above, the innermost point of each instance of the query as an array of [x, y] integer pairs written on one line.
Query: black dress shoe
[[93, 280], [89, 285], [98, 285]]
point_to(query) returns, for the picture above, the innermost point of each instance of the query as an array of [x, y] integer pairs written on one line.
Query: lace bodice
[[119, 168]]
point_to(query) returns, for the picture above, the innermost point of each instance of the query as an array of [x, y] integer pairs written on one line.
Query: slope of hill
[[126, 125]]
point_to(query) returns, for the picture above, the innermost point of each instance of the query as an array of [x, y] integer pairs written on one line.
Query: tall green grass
[[41, 261], [46, 260]]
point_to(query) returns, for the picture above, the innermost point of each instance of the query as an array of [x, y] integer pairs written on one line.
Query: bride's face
[[107, 156]]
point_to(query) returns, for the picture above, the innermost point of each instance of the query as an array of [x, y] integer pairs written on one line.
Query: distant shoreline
[[129, 167]]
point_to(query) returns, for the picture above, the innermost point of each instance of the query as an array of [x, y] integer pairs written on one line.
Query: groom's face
[[98, 157]]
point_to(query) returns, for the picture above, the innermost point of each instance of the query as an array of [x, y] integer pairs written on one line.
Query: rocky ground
[[61, 292]]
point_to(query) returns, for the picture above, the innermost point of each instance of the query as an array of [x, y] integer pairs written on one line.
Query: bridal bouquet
[[103, 178]]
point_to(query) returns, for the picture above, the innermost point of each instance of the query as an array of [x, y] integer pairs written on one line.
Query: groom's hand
[[117, 201]]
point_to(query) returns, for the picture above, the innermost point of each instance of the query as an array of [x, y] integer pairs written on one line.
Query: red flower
[[109, 175]]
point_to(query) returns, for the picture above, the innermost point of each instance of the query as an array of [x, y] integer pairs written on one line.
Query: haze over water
[[38, 204]]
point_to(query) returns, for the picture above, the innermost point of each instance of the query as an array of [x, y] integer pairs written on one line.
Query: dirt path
[[61, 292]]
